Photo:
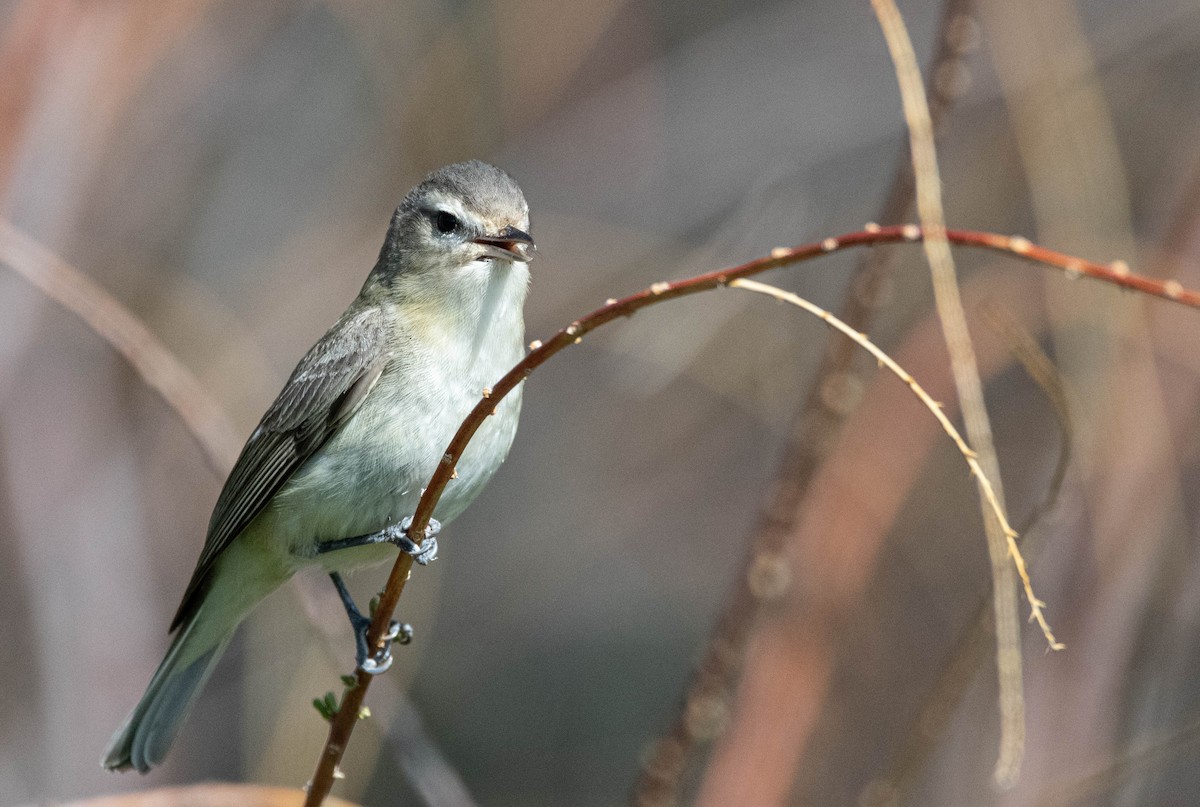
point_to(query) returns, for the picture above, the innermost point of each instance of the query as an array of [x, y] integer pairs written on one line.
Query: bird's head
[[462, 221]]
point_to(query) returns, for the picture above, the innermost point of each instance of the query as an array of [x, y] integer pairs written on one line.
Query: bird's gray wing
[[325, 389]]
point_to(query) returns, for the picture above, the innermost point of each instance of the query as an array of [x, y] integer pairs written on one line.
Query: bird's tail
[[146, 736], [244, 576]]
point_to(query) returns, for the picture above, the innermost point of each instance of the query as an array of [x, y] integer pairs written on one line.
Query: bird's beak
[[510, 244]]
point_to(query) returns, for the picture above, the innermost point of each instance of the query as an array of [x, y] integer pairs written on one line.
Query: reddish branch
[[1118, 274]]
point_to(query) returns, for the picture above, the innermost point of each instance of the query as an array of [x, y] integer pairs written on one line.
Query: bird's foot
[[424, 552], [364, 659], [381, 660]]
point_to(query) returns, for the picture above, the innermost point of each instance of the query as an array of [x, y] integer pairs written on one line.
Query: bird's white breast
[[371, 473]]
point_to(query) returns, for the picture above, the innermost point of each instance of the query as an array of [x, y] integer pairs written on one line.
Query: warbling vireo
[[339, 459]]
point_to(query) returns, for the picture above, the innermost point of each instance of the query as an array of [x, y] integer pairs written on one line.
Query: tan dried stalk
[[965, 370]]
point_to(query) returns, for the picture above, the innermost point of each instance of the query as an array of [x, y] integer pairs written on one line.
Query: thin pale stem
[[990, 495], [965, 371]]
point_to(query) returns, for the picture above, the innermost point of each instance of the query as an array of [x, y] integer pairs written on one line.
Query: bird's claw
[[423, 553], [400, 632], [381, 660], [378, 664]]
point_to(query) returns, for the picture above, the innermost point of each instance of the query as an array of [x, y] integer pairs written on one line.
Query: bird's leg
[[396, 534], [423, 553], [381, 660]]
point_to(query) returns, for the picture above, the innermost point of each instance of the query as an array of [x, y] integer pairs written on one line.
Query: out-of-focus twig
[[969, 650], [965, 370], [342, 725], [1043, 372], [1124, 767], [817, 419], [24, 43], [203, 417]]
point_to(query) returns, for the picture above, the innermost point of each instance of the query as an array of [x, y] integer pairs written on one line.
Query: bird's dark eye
[[446, 222]]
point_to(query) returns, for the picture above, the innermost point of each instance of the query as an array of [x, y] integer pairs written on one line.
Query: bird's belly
[[372, 472]]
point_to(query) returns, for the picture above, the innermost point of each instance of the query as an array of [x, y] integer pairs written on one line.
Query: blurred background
[[227, 171]]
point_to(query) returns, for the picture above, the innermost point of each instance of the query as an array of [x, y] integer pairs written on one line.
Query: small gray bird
[[337, 464]]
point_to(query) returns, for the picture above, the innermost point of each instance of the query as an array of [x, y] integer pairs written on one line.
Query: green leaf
[[323, 709]]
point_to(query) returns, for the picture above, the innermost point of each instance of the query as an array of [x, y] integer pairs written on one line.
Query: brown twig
[[342, 725]]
